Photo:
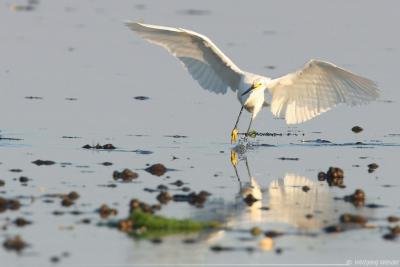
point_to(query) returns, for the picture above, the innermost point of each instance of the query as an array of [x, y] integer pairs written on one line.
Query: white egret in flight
[[297, 97]]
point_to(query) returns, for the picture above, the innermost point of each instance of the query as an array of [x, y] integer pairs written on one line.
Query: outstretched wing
[[316, 88], [201, 57]]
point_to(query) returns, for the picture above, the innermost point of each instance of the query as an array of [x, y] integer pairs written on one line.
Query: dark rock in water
[[20, 222], [106, 163], [15, 243], [196, 199], [9, 204], [23, 179], [372, 167], [285, 158], [273, 234], [321, 176], [176, 136], [218, 248], [40, 162], [393, 234], [73, 195], [250, 199], [374, 206], [141, 98], [333, 229], [54, 259], [357, 198], [15, 170], [126, 175], [306, 188], [357, 129], [157, 169], [177, 183], [105, 211], [162, 187], [98, 146], [351, 218], [164, 197], [2, 183], [67, 202], [335, 176], [393, 219]]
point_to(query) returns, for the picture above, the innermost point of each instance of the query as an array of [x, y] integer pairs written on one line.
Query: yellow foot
[[234, 135], [234, 158]]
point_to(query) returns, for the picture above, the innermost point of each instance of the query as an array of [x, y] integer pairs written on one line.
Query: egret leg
[[235, 131], [248, 129]]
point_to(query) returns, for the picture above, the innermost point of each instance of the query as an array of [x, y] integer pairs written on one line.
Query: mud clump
[[105, 211], [9, 204], [306, 188], [21, 222], [69, 199], [334, 177], [126, 175], [333, 229], [372, 167], [351, 218], [40, 162], [16, 244], [196, 199], [393, 219], [98, 146], [357, 129], [393, 234], [164, 197], [250, 200], [157, 169], [357, 198]]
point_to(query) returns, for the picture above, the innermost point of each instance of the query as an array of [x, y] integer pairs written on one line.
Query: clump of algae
[[143, 223]]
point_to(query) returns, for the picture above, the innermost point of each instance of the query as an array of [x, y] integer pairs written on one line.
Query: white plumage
[[296, 97]]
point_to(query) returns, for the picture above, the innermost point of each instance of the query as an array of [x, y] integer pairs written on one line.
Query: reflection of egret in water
[[293, 200]]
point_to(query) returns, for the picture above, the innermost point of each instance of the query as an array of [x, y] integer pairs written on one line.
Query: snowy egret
[[297, 97]]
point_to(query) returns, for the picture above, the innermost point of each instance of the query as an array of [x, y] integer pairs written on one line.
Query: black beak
[[248, 90]]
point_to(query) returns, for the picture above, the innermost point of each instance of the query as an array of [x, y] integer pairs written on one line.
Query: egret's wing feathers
[[205, 62], [318, 87]]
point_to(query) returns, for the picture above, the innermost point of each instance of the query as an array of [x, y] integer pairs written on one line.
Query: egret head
[[259, 83]]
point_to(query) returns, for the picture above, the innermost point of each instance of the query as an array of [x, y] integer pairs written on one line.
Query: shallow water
[[86, 67]]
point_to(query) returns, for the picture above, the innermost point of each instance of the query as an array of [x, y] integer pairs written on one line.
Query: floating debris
[[285, 158], [357, 129], [357, 198], [33, 97], [393, 234], [9, 204], [333, 229], [141, 98], [372, 167], [195, 12], [21, 222], [40, 162], [196, 199], [164, 197], [334, 176], [393, 219], [306, 188], [98, 146], [126, 175], [105, 211], [351, 218], [157, 169], [16, 243]]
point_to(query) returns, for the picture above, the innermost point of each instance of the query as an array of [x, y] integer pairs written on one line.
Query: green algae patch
[[142, 222]]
